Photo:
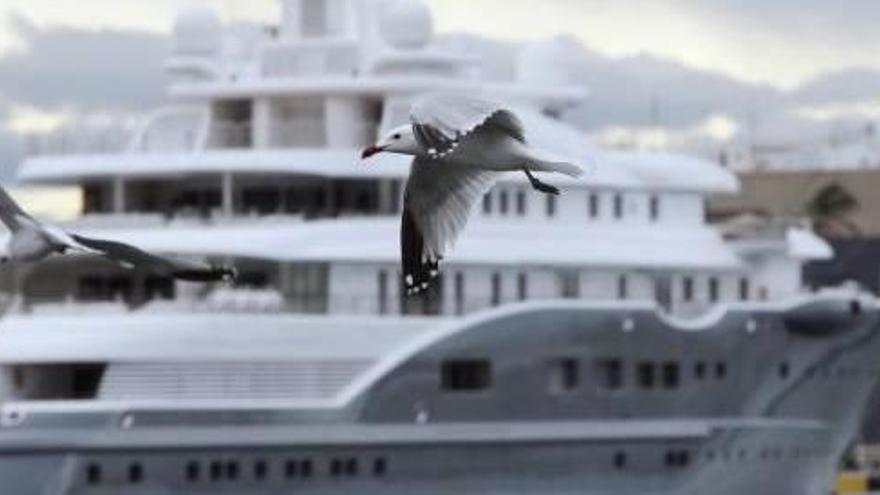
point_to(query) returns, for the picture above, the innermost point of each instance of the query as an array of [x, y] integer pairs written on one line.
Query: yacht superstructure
[[605, 341]]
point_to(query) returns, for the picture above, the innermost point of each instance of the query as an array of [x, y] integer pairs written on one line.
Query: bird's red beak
[[372, 150]]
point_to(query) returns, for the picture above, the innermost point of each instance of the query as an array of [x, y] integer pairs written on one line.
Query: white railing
[[230, 135], [292, 134], [70, 142]]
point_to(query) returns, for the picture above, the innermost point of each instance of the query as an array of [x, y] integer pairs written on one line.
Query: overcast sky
[[664, 70], [782, 42]]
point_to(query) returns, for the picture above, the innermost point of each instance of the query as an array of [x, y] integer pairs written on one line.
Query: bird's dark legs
[[541, 186]]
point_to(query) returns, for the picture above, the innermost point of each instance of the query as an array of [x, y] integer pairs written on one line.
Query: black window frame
[[466, 375]]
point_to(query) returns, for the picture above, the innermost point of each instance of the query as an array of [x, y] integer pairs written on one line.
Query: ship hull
[[774, 457]]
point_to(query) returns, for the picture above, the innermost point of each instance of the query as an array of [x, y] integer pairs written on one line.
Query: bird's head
[[400, 140]]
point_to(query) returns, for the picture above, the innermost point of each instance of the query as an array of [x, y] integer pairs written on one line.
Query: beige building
[[841, 203]]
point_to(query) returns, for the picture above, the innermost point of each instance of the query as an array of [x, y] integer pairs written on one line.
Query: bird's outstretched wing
[[437, 203], [132, 257], [442, 122]]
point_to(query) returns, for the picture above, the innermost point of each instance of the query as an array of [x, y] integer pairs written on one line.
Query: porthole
[[699, 370], [232, 470], [620, 460], [93, 474], [336, 467], [351, 467], [216, 471], [290, 469], [380, 467], [784, 370], [306, 468], [135, 473], [261, 470], [192, 471]]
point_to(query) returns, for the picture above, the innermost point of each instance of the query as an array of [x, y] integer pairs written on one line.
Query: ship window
[[380, 467], [216, 471], [261, 469], [193, 471], [135, 473], [487, 203], [522, 287], [622, 287], [291, 469], [677, 458], [720, 370], [521, 203], [714, 289], [618, 206], [459, 293], [503, 202], [351, 467], [466, 375], [564, 375], [646, 374], [496, 289], [593, 205], [783, 370], [383, 292], [306, 468], [611, 373], [654, 206], [336, 467], [93, 474], [232, 470], [569, 284], [253, 280], [551, 205], [700, 370], [670, 375], [620, 460], [688, 289], [159, 288], [744, 289]]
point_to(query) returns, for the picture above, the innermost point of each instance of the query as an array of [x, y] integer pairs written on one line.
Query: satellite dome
[[407, 24], [198, 31]]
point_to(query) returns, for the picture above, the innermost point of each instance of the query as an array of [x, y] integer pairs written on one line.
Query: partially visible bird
[[32, 241], [461, 145]]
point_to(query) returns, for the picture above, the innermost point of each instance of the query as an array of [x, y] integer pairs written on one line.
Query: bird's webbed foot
[[540, 186]]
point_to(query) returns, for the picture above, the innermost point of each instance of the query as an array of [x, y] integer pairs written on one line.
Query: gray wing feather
[[442, 122], [137, 258], [440, 197]]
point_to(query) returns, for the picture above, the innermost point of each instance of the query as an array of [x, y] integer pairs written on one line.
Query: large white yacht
[[605, 341]]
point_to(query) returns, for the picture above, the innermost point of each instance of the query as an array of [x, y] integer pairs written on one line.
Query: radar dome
[[198, 31], [407, 24]]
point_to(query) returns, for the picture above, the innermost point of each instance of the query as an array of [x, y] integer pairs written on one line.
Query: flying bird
[[460, 146], [32, 241]]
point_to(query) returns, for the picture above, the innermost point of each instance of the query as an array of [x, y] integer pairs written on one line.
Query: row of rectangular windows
[[231, 470], [569, 288], [565, 374], [593, 204]]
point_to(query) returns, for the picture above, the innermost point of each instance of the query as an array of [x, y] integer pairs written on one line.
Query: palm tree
[[829, 210]]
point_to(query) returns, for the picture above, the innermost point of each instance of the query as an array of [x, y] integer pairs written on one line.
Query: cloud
[[62, 67], [63, 76]]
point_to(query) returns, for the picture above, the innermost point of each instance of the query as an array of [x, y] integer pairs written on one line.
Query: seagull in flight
[[31, 241], [460, 145]]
